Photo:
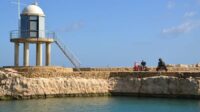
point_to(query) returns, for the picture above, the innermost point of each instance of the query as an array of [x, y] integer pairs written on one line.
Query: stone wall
[[16, 86], [172, 68]]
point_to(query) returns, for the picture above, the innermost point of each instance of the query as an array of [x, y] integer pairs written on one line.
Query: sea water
[[101, 104]]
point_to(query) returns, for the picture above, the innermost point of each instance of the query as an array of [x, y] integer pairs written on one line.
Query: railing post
[[54, 35]]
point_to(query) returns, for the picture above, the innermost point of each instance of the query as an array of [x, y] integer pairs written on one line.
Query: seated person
[[143, 66], [136, 67], [161, 65]]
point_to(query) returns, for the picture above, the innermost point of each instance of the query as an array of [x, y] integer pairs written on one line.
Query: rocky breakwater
[[155, 86], [16, 86]]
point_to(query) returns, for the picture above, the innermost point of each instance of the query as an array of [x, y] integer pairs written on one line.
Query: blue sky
[[113, 33]]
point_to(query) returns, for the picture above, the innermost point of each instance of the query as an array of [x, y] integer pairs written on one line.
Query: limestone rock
[[17, 86]]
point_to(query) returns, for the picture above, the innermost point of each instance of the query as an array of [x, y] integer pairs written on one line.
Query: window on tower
[[33, 26]]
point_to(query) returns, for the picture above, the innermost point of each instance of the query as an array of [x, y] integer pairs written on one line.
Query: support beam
[[48, 54], [26, 54], [39, 54], [16, 58]]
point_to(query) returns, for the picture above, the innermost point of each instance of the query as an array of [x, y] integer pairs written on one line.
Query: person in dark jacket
[[161, 65], [143, 66], [143, 63]]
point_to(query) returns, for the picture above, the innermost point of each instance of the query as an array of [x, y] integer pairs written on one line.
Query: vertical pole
[[19, 19], [16, 58], [38, 54], [26, 54], [48, 54]]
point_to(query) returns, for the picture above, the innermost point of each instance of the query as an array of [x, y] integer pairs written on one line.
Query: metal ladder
[[67, 53]]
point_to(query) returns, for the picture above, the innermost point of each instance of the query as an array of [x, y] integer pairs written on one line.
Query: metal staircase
[[67, 53]]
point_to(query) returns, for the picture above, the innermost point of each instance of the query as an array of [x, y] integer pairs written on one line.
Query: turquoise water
[[101, 104]]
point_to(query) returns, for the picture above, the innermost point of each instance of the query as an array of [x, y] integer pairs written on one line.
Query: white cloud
[[73, 27], [182, 28], [171, 4], [190, 14]]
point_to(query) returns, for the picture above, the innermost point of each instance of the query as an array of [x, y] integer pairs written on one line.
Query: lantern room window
[[33, 26]]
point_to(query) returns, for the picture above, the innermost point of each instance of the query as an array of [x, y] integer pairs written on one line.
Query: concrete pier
[[48, 54], [26, 54], [16, 58], [39, 54]]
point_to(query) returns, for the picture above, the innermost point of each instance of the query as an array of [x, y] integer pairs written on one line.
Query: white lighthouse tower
[[32, 31]]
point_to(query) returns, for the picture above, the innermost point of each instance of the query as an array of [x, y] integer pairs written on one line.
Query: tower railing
[[17, 33]]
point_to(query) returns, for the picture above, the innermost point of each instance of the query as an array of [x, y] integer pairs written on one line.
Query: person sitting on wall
[[143, 66], [136, 67], [161, 65]]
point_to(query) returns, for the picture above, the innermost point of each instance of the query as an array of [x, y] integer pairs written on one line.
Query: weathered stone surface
[[166, 85], [13, 85]]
